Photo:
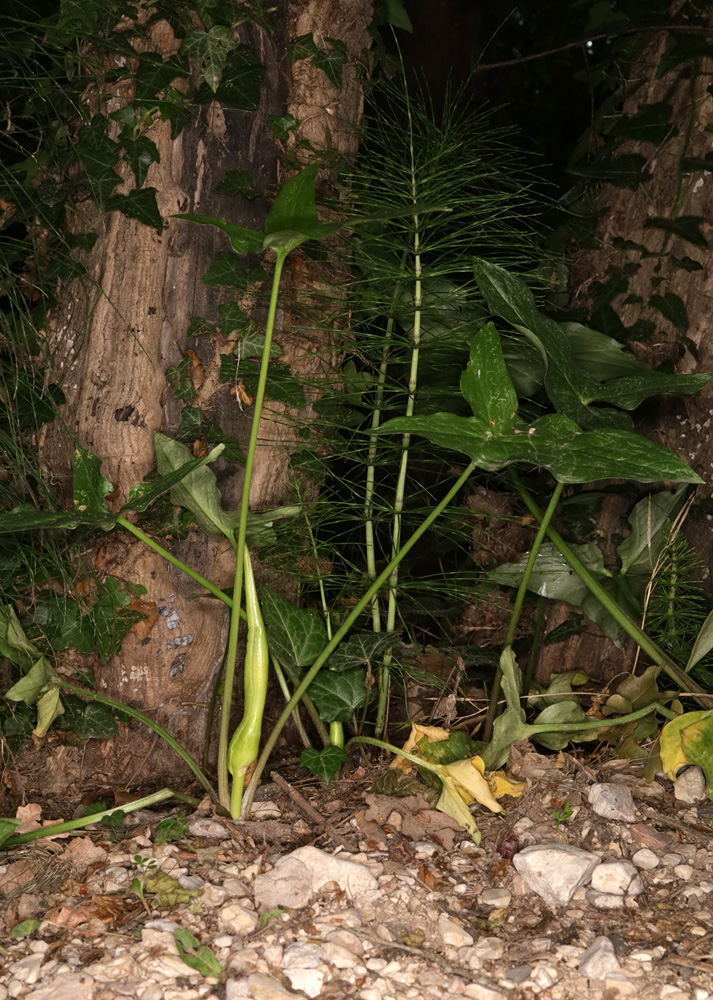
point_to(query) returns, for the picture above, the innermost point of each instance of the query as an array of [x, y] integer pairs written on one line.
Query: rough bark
[[671, 191], [118, 332]]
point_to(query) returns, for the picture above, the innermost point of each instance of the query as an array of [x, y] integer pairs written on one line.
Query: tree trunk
[[119, 331], [652, 249]]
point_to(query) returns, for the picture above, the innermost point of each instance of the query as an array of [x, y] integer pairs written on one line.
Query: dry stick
[[309, 811]]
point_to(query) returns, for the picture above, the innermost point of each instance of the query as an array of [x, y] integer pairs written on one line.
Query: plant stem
[[135, 714], [165, 554], [535, 647], [282, 681], [343, 629], [223, 780], [76, 824], [630, 627], [517, 606], [384, 667]]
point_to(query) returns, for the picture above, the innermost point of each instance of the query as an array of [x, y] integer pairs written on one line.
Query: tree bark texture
[[655, 262], [116, 333]]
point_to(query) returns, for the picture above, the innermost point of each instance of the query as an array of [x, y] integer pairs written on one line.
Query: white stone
[[604, 900], [236, 919], [646, 859], [683, 872], [203, 826], [163, 941], [72, 986], [690, 786], [266, 988], [297, 877], [27, 970], [479, 992], [500, 898], [544, 976], [599, 960], [310, 981], [488, 949], [555, 871], [619, 877], [612, 802], [452, 933], [116, 968], [334, 954]]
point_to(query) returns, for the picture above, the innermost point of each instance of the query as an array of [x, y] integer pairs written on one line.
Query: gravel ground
[[592, 884]]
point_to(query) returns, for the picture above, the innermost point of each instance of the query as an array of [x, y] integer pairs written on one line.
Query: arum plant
[[496, 436]]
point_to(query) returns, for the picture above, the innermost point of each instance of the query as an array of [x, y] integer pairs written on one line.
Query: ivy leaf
[[331, 60], [99, 156], [241, 82], [179, 377], [671, 306], [139, 205], [242, 239], [625, 171], [324, 765], [238, 182], [227, 269], [296, 635], [364, 647], [302, 48], [232, 317], [651, 123], [282, 125], [154, 75], [140, 153], [210, 49], [339, 695], [281, 385], [687, 227]]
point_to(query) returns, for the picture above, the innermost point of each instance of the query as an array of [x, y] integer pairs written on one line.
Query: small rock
[[479, 992], [266, 988], [612, 802], [298, 876], [519, 974], [619, 877], [162, 941], [235, 919], [27, 970], [203, 826], [604, 900], [340, 958], [683, 872], [69, 986], [617, 985], [310, 981], [223, 940], [348, 940], [453, 934], [488, 949], [555, 871], [650, 837], [544, 976], [599, 960], [499, 898], [690, 786], [646, 859]]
